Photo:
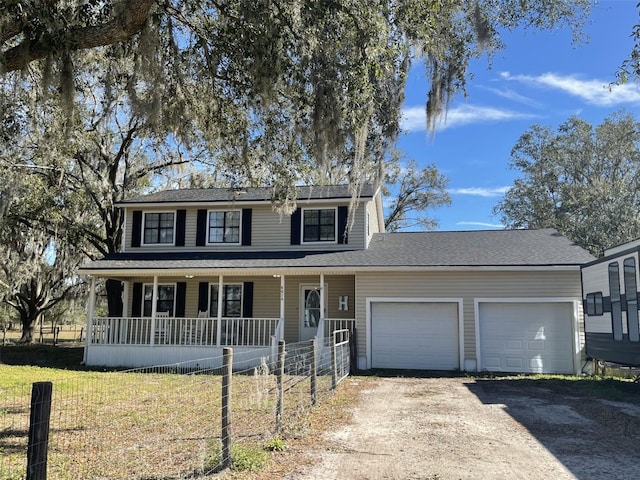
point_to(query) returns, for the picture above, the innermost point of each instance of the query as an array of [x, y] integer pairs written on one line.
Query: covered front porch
[[169, 318]]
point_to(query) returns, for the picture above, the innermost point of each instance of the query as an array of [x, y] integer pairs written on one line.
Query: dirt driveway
[[462, 428]]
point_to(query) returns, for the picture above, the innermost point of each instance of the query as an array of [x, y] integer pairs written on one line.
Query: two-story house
[[207, 268]]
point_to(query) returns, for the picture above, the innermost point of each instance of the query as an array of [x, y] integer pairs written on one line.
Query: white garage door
[[526, 337], [420, 336]]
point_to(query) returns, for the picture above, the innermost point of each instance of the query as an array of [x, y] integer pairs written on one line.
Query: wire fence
[[167, 421]]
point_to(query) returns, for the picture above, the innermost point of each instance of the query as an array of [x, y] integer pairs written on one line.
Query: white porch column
[[91, 307], [320, 333], [154, 308], [280, 333], [219, 312]]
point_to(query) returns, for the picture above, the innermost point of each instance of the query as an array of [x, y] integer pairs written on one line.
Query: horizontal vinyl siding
[[373, 218], [270, 232], [266, 293], [266, 296], [466, 285], [336, 286]]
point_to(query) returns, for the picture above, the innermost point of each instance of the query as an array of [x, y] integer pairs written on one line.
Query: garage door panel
[[418, 335], [526, 337]]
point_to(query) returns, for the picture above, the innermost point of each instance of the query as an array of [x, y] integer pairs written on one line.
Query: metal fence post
[[227, 370], [334, 364], [37, 448], [312, 373], [280, 382]]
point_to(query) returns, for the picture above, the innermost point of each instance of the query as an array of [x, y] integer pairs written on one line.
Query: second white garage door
[[526, 337], [420, 335]]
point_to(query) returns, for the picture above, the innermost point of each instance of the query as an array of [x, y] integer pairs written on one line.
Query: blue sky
[[539, 78]]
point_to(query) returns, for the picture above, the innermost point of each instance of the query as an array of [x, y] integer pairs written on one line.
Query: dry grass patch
[[305, 440], [120, 425]]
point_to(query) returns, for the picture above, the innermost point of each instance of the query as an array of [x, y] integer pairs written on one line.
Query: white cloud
[[514, 96], [414, 118], [594, 92], [481, 224], [479, 191]]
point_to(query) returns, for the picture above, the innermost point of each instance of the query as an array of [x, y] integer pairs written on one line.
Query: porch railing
[[173, 331], [333, 324]]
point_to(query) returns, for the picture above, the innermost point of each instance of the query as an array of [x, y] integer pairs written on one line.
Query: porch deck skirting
[[144, 341], [197, 357]]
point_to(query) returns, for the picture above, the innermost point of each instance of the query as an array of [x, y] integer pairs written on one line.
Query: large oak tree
[[292, 84], [581, 180], [102, 99]]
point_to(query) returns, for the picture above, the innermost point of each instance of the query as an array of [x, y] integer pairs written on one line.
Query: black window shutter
[[343, 214], [247, 300], [136, 228], [181, 297], [136, 306], [246, 226], [296, 220], [181, 216], [203, 298], [201, 228]]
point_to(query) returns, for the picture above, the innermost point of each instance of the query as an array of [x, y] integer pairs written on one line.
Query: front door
[[310, 312]]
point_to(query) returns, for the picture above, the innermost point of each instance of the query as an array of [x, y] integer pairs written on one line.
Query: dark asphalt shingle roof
[[499, 248], [257, 194]]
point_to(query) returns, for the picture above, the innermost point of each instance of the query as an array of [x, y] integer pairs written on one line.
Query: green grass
[[121, 425]]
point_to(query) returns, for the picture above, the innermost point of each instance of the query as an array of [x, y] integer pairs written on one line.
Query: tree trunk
[[114, 297], [28, 327]]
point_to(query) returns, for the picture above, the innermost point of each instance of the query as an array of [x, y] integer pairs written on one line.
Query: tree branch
[[118, 30]]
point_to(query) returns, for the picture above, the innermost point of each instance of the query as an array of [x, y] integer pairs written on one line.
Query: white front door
[[310, 312]]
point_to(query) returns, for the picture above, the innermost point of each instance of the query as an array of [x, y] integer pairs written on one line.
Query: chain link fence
[[170, 421]]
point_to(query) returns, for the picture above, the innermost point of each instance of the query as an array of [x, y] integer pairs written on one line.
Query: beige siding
[[466, 285], [270, 231], [373, 218], [266, 296], [336, 286]]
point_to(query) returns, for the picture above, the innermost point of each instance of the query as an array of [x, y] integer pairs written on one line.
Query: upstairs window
[[319, 225], [158, 228], [224, 227], [231, 300]]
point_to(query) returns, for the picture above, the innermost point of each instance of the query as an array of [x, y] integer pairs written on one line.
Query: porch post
[[154, 308], [90, 312], [219, 313], [280, 333], [320, 332]]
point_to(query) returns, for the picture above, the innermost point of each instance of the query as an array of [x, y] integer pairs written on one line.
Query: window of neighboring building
[[319, 225], [165, 302], [158, 228], [231, 300], [616, 300], [594, 304], [224, 226], [631, 294]]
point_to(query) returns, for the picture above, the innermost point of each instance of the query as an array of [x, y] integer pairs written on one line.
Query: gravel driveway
[[462, 428]]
